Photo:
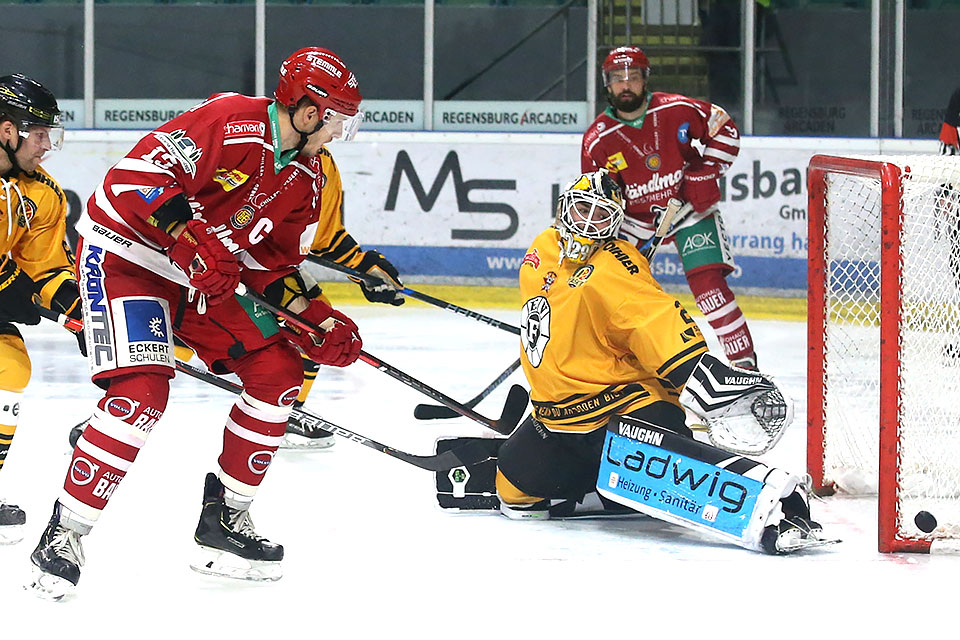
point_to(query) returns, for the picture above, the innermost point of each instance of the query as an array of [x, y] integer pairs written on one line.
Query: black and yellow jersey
[[600, 338], [331, 240], [33, 225]]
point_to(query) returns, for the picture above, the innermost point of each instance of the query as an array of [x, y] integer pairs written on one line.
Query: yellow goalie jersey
[[601, 338], [34, 232]]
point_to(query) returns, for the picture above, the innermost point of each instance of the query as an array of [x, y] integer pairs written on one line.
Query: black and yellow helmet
[[589, 212], [27, 102]]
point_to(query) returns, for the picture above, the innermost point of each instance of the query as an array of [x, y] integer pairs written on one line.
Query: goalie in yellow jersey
[[34, 260], [607, 354]]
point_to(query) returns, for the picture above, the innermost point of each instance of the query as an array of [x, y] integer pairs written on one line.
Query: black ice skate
[[301, 435], [57, 560], [229, 545], [12, 519], [796, 531], [76, 432]]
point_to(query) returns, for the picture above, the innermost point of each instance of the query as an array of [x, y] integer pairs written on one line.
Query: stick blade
[[434, 412], [513, 410]]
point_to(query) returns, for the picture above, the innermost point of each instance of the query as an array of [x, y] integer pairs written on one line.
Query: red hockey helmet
[[623, 58], [322, 76]]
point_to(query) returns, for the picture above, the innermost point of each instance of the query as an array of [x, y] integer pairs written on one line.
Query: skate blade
[[295, 441], [11, 533], [48, 586], [214, 562], [803, 544]]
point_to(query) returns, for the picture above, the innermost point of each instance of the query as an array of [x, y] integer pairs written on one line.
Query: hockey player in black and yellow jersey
[[607, 354], [35, 263], [600, 338]]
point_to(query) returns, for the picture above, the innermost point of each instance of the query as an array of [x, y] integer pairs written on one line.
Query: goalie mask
[[322, 77], [589, 212]]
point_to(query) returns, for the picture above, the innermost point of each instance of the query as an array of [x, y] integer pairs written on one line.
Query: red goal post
[[883, 360]]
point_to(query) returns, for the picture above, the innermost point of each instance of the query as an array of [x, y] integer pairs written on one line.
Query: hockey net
[[884, 340]]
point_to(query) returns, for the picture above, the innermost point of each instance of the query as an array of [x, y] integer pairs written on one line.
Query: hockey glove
[[213, 271], [16, 294], [340, 343], [700, 187], [66, 300], [374, 264]]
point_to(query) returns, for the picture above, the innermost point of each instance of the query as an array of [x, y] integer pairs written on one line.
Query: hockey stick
[[423, 297], [512, 410], [435, 412], [71, 324], [465, 455], [676, 210]]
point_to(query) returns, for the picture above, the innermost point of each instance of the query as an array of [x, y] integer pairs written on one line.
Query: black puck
[[925, 521]]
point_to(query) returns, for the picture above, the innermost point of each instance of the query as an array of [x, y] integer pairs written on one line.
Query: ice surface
[[368, 554]]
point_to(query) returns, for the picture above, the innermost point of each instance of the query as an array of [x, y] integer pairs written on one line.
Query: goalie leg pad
[[692, 484], [745, 412]]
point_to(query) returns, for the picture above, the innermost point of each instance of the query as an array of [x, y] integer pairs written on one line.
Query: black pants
[[565, 465]]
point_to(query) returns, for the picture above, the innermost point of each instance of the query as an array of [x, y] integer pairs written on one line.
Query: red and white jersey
[[220, 155], [647, 157]]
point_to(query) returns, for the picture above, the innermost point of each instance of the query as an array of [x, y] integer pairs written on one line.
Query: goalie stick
[[466, 455], [676, 210], [513, 409], [434, 412]]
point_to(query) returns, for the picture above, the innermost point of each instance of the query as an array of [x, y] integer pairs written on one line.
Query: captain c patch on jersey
[[535, 329]]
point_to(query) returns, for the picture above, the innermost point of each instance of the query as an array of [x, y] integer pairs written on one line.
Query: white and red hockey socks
[[718, 304]]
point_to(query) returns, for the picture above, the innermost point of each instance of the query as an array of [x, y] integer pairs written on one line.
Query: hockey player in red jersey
[[225, 193], [646, 140]]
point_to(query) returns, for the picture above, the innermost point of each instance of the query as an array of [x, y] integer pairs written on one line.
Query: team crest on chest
[[535, 329], [653, 162], [242, 218], [580, 276], [27, 211]]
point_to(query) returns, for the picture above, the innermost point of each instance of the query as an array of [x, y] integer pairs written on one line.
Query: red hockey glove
[[213, 271], [338, 346], [700, 186]]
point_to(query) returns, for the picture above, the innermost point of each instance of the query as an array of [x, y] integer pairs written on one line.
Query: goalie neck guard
[[589, 212]]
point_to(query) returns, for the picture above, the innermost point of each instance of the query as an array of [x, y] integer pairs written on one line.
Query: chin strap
[[303, 134], [11, 153]]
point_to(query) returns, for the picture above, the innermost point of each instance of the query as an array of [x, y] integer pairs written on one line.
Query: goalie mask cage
[[883, 361]]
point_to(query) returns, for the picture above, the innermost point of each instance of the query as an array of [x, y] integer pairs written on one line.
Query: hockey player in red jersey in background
[[229, 191], [645, 139]]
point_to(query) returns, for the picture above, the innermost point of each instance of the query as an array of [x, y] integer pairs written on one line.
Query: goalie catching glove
[[700, 187], [212, 270], [744, 411], [374, 264]]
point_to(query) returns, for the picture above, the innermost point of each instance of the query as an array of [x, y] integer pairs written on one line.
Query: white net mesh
[[929, 448]]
